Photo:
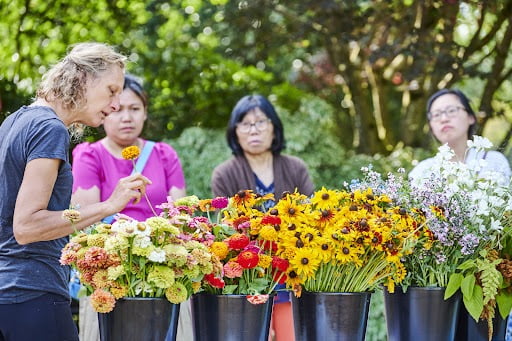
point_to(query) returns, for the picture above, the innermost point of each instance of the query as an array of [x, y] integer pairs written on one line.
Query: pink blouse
[[93, 165]]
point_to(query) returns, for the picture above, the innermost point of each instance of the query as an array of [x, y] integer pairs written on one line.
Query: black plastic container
[[468, 329], [323, 316], [421, 314], [137, 319], [230, 318]]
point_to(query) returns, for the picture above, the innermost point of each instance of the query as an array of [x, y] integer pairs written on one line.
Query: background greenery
[[374, 62]]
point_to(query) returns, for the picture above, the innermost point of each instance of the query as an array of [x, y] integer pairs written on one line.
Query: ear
[[472, 119]]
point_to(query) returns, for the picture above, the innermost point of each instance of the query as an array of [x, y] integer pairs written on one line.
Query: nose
[[251, 131], [116, 103], [444, 116]]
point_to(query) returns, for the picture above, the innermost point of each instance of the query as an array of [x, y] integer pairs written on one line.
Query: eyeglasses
[[449, 111], [260, 125]]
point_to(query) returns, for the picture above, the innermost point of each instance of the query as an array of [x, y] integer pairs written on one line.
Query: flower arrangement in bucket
[[151, 258], [343, 241], [465, 242], [476, 215], [244, 247], [156, 257]]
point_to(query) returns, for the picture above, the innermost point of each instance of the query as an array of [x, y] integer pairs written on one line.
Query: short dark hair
[[242, 107], [463, 100], [135, 84]]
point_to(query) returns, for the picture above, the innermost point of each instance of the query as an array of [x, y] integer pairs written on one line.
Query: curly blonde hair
[[67, 80]]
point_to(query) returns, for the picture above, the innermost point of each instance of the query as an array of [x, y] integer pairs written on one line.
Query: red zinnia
[[271, 220], [280, 263], [269, 246], [248, 259], [214, 281], [238, 241]]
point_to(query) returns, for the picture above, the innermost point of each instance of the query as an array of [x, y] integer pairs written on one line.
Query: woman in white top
[[453, 122]]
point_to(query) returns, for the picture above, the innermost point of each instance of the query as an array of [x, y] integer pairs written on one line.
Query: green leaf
[[475, 303], [504, 301], [467, 265], [467, 286], [453, 285], [258, 285], [229, 289]]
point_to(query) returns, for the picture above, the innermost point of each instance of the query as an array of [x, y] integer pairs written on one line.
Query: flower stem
[[145, 194]]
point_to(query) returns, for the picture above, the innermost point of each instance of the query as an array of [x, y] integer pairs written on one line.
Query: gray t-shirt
[[31, 270]]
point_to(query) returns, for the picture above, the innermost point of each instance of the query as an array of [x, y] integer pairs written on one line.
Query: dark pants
[[46, 318]]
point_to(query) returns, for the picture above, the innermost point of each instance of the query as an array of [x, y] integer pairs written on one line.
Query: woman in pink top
[[98, 166]]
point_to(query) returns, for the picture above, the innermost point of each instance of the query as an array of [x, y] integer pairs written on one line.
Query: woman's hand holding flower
[[128, 188]]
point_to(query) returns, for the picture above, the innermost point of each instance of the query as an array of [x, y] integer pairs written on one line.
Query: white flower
[[445, 153], [482, 208], [157, 256], [125, 226], [142, 241], [479, 143], [495, 225]]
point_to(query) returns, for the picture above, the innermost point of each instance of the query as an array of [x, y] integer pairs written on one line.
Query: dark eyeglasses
[[449, 111], [260, 125]]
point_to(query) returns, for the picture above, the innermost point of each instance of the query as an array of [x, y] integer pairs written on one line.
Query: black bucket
[[421, 314], [470, 330], [323, 316], [137, 318], [230, 318]]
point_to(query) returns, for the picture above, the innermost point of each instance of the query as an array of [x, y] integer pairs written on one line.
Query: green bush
[[200, 150]]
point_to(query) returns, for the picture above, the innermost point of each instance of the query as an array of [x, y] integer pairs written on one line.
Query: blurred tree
[[188, 82], [378, 61]]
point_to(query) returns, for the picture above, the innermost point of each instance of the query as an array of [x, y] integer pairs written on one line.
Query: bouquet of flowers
[[244, 246], [343, 241], [477, 211], [130, 258], [465, 242]]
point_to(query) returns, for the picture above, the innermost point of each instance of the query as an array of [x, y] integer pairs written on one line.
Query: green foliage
[[504, 301], [376, 327], [477, 294], [200, 150]]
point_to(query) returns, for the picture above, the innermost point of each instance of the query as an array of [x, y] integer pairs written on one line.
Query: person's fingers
[[138, 176], [137, 196]]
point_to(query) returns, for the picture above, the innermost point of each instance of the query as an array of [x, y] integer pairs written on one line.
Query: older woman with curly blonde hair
[[36, 184]]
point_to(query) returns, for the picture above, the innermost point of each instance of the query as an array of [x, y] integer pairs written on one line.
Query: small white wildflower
[[479, 143], [495, 225]]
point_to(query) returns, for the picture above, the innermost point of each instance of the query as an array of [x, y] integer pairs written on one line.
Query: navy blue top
[[31, 270]]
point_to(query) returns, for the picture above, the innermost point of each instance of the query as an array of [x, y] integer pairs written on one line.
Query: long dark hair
[[134, 84], [242, 107]]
